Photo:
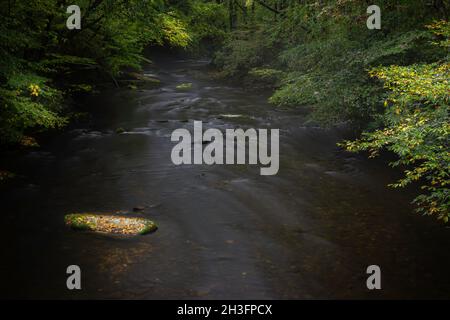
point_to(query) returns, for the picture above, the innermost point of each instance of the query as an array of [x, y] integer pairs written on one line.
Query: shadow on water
[[224, 231]]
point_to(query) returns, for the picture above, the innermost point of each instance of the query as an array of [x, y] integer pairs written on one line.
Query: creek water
[[225, 231]]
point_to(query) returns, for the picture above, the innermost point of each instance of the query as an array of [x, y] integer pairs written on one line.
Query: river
[[225, 231]]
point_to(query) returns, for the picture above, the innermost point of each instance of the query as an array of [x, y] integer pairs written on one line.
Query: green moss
[[264, 78], [150, 226], [110, 224], [148, 83], [78, 221]]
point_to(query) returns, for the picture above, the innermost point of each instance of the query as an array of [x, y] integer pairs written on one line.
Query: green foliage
[[325, 50], [331, 62], [244, 50], [207, 21], [41, 61], [26, 101], [328, 69], [416, 127]]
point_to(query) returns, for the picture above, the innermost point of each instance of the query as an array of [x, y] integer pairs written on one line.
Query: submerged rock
[[110, 224], [134, 80], [27, 141], [184, 86], [232, 116]]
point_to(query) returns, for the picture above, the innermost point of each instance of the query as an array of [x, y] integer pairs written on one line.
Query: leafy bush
[[207, 25], [244, 50], [416, 127], [328, 68], [27, 101], [41, 61]]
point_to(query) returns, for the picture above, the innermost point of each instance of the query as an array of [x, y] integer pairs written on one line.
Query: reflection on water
[[224, 231]]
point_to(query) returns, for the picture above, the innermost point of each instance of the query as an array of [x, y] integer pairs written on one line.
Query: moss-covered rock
[[264, 78], [29, 142], [110, 224], [6, 175], [120, 130], [184, 86]]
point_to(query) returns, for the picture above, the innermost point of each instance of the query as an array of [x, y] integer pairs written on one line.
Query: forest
[[390, 85], [106, 194]]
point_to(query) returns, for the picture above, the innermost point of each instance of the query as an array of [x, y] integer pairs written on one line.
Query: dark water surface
[[224, 231]]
